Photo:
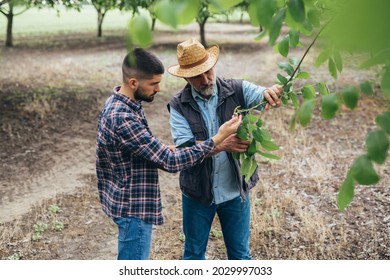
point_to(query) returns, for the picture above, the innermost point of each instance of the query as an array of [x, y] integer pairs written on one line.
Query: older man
[[215, 186]]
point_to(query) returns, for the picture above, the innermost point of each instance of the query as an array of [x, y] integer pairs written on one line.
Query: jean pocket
[[124, 228]]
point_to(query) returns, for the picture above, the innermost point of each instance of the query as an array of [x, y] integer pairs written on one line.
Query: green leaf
[[252, 148], [261, 35], [338, 60], [253, 18], [165, 12], [286, 67], [322, 57], [236, 155], [297, 10], [251, 170], [257, 135], [308, 92], [305, 112], [294, 99], [332, 68], [267, 155], [251, 127], [287, 87], [294, 38], [186, 11], [283, 80], [350, 96], [322, 88], [259, 123], [215, 6], [242, 157], [245, 121], [346, 193], [382, 57], [303, 75], [276, 25], [261, 12], [329, 106], [363, 171], [308, 26], [140, 32], [269, 145], [265, 135], [383, 121], [249, 118], [366, 88], [224, 4], [242, 132], [283, 46], [314, 17], [245, 166], [294, 60], [293, 122], [377, 145], [386, 93], [385, 83]]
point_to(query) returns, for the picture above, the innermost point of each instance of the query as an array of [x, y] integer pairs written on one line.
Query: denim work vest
[[196, 182]]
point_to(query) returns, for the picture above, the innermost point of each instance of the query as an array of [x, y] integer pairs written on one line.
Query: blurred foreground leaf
[[139, 31]]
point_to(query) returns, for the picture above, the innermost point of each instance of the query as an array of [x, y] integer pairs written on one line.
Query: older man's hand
[[272, 95]]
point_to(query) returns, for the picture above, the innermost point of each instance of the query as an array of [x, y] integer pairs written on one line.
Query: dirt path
[[62, 175]]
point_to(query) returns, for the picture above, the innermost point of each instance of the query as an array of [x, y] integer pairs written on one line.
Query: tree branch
[[306, 52], [3, 2], [264, 101], [21, 12], [4, 13]]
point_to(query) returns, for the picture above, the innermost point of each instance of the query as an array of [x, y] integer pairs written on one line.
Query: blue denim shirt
[[224, 180]]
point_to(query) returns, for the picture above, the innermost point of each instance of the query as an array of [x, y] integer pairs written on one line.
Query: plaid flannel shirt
[[128, 158]]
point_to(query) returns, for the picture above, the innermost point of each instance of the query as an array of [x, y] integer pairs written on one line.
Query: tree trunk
[[100, 23], [202, 32], [10, 18], [153, 23]]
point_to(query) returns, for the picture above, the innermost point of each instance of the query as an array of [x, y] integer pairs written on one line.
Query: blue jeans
[[234, 216], [134, 238]]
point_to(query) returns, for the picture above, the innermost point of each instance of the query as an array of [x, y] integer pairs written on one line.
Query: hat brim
[[178, 71]]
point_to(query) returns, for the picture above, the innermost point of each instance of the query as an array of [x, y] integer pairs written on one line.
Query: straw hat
[[193, 59]]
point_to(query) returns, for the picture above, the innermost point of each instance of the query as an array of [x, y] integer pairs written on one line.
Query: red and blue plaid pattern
[[128, 157]]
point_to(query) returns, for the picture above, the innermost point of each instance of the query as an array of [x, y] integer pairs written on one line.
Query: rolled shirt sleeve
[[253, 94]]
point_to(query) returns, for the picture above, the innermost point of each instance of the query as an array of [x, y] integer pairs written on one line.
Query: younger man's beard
[[139, 95]]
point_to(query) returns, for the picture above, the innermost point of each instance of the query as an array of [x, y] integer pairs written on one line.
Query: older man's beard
[[207, 90]]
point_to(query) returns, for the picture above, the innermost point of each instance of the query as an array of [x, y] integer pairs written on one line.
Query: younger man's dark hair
[[141, 64]]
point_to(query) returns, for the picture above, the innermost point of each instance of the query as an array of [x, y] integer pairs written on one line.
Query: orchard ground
[[51, 90]]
